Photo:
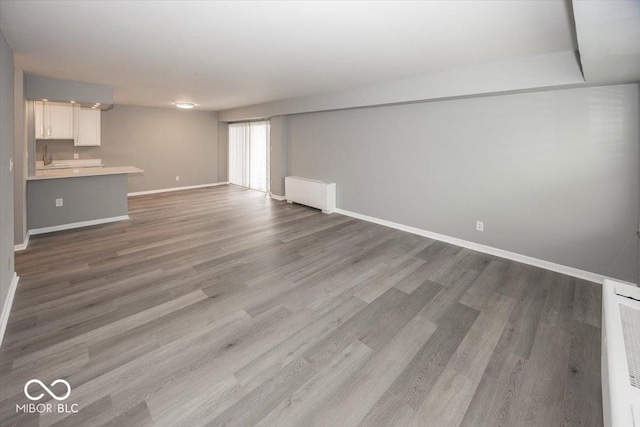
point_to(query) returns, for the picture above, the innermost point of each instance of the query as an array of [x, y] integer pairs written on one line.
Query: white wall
[[553, 175]]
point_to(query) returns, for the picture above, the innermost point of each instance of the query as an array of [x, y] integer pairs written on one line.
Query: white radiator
[[620, 354], [311, 192]]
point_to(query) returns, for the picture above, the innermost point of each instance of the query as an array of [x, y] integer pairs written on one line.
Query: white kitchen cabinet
[[53, 120], [41, 132], [88, 127]]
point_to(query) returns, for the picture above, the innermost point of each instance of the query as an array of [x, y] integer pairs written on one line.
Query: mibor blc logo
[[47, 389], [39, 408]]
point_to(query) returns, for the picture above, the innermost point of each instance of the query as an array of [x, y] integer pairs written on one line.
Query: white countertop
[[80, 172]]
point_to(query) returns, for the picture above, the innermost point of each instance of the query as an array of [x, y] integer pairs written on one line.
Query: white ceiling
[[609, 40], [222, 55]]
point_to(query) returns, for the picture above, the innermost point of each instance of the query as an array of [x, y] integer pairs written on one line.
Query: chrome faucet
[[46, 160]]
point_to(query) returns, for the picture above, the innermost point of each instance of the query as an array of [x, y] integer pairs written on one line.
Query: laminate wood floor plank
[[112, 328], [355, 399], [582, 392], [269, 362], [492, 403], [482, 288], [318, 389], [449, 398], [587, 303], [544, 379], [388, 278], [194, 377], [558, 307], [221, 306], [410, 388]]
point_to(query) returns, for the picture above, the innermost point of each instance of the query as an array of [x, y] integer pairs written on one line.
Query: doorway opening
[[249, 155]]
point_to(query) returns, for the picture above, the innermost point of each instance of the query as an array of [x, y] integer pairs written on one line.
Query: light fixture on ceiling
[[185, 105]]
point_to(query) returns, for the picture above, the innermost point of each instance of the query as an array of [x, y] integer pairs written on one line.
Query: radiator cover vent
[[631, 331]]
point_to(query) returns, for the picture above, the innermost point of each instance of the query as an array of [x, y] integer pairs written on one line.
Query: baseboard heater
[[311, 192], [620, 354]]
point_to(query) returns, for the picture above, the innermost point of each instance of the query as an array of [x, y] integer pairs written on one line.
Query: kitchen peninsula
[[67, 184], [65, 198]]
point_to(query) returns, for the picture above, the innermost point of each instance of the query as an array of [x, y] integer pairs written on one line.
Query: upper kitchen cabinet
[[58, 120], [53, 120], [88, 120]]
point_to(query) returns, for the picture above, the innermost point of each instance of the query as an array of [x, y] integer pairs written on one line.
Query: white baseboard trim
[[167, 190], [547, 265], [77, 225], [6, 310], [276, 197], [22, 246]]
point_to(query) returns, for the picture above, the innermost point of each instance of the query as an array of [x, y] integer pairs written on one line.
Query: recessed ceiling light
[[185, 105]]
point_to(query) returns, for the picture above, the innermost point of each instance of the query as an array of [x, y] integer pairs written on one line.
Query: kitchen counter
[[95, 195], [83, 171]]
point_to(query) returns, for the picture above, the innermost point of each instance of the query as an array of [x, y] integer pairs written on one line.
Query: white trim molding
[[78, 225], [276, 197], [547, 265], [167, 190], [6, 310], [22, 246]]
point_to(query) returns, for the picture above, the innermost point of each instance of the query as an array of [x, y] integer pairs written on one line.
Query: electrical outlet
[[177, 178], [76, 156], [59, 203], [11, 165], [479, 226]]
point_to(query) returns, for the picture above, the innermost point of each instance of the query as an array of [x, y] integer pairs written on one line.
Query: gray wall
[[38, 87], [553, 175], [6, 176], [223, 152], [84, 199], [20, 159], [278, 155], [164, 142]]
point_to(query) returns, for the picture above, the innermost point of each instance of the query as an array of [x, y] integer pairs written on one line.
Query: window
[[249, 155]]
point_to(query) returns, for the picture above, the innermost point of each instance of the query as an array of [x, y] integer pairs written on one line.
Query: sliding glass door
[[249, 155]]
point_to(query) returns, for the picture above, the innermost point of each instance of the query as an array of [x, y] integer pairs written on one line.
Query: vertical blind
[[249, 155]]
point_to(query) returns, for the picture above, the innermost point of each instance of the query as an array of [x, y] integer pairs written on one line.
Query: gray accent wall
[[87, 198], [38, 87], [553, 175], [6, 175], [278, 154], [164, 142], [20, 159]]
